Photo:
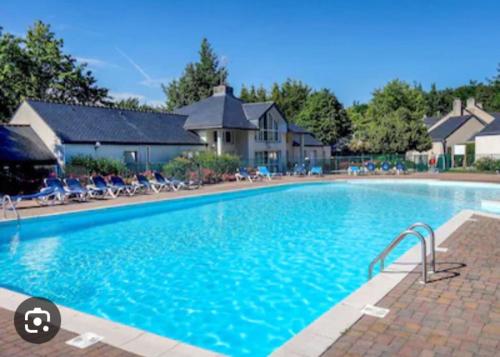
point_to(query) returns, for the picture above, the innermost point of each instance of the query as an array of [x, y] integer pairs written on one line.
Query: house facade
[[488, 140], [256, 132], [452, 131]]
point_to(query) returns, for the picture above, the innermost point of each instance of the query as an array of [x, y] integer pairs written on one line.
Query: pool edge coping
[[319, 335]]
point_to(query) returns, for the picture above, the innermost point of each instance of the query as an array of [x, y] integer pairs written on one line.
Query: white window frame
[[268, 129]]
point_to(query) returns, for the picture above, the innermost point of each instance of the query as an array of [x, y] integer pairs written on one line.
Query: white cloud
[[94, 62], [148, 81]]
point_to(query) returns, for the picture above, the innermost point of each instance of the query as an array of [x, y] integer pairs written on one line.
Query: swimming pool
[[238, 273]]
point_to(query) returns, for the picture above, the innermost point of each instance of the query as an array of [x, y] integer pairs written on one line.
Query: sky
[[351, 47]]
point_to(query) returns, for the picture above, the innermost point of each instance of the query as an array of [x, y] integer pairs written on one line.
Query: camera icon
[[37, 320]]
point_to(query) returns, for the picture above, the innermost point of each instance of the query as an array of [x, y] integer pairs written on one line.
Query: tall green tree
[[135, 104], [290, 97], [325, 117], [36, 66], [393, 122], [197, 80]]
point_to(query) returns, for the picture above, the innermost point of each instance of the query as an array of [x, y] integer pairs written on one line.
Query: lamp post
[[97, 145]]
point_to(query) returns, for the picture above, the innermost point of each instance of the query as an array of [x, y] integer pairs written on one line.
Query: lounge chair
[[162, 182], [299, 170], [75, 185], [353, 170], [316, 170], [62, 191], [101, 188], [370, 166], [401, 168], [46, 196], [385, 167], [147, 185], [243, 174], [263, 172], [121, 187]]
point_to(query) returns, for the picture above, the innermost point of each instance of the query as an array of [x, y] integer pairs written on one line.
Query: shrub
[[487, 164], [101, 165], [180, 168]]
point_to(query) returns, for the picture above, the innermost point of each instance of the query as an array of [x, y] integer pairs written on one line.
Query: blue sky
[[350, 46]]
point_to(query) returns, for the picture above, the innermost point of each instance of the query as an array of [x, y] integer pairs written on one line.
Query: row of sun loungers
[[370, 168], [263, 173], [57, 190]]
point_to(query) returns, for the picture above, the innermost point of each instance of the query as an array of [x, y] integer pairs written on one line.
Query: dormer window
[[268, 129]]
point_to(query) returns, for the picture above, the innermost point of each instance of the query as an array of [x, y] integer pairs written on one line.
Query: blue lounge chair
[[353, 170], [243, 174], [299, 170], [371, 167], [147, 185], [62, 191], [263, 172], [316, 170], [75, 186], [162, 182], [386, 167], [401, 168], [121, 187], [46, 196], [101, 188]]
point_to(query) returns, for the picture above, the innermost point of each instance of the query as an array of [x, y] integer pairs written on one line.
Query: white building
[[257, 132]]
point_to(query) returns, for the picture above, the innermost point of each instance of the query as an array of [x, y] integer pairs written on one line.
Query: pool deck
[[30, 209], [457, 313]]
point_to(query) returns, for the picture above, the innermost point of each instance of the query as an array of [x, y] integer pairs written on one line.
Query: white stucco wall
[[157, 153], [26, 115], [488, 145]]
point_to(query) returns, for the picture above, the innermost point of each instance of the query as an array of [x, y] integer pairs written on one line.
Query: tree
[[253, 95], [290, 97], [36, 66], [325, 117], [393, 122], [197, 80], [135, 104]]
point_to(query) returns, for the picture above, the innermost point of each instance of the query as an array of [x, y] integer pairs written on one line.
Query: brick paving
[[457, 314], [11, 345]]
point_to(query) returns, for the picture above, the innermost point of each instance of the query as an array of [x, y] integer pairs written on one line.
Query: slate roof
[[492, 128], [309, 140], [293, 128], [430, 121], [20, 144], [90, 124], [254, 111], [448, 127], [220, 111]]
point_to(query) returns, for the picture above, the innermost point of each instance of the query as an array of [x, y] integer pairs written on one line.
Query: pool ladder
[[8, 205], [410, 231]]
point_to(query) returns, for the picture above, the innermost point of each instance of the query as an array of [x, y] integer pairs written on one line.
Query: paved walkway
[[11, 345], [457, 314]]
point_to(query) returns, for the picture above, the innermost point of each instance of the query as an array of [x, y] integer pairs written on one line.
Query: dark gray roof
[[430, 121], [254, 111], [309, 140], [294, 128], [220, 111], [89, 124], [492, 128], [20, 144], [448, 127]]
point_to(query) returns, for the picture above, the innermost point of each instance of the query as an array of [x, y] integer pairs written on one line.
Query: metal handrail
[[393, 244], [432, 241], [7, 200]]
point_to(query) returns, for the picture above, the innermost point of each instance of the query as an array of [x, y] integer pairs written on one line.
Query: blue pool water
[[238, 273]]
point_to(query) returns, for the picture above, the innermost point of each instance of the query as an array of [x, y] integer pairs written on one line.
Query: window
[[228, 137], [130, 157], [268, 129], [215, 136]]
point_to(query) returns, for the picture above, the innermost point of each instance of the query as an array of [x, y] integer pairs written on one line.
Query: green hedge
[[487, 164], [206, 163], [102, 165]]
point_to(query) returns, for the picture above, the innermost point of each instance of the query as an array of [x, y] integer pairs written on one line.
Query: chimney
[[457, 107], [223, 90], [471, 102]]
